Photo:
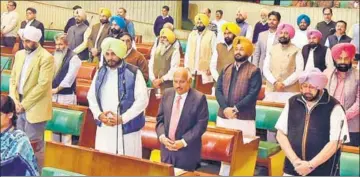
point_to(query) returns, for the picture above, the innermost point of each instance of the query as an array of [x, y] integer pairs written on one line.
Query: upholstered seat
[[5, 63], [49, 171], [50, 34], [86, 72], [266, 149], [81, 94], [5, 82], [65, 121], [145, 50], [266, 117], [213, 109], [349, 164]]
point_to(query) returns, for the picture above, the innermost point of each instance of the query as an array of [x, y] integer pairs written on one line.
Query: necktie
[[175, 116]]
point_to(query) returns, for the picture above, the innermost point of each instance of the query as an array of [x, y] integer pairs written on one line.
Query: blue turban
[[305, 17], [119, 21]]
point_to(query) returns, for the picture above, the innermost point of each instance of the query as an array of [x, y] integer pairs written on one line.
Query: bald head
[[182, 80], [169, 25]]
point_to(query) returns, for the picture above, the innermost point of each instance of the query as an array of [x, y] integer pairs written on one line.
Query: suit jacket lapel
[[188, 104], [168, 111], [265, 39], [36, 56]]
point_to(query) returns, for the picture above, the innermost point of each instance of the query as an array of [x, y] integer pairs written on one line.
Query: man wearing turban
[[129, 24], [99, 32], [212, 26], [261, 25], [30, 88], [315, 54], [310, 128], [117, 98], [339, 36], [284, 62], [78, 35], [344, 85], [300, 38], [164, 60], [201, 47], [237, 89], [118, 26], [71, 22], [225, 49], [246, 28]]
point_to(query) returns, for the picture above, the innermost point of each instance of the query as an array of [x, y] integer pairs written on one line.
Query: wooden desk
[[91, 162], [197, 173]]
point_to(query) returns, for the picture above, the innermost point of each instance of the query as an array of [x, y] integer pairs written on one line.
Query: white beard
[[58, 59], [161, 48]]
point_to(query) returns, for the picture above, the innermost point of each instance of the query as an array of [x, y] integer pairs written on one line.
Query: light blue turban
[[305, 17]]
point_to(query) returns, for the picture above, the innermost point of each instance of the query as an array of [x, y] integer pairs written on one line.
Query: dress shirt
[[9, 21], [28, 59], [270, 41]]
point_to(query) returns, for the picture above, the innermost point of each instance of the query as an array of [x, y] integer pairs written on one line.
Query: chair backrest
[[138, 39], [50, 34], [6, 62], [349, 161], [215, 145], [82, 90], [266, 117], [213, 107], [49, 171], [65, 121], [86, 72], [145, 50], [5, 81]]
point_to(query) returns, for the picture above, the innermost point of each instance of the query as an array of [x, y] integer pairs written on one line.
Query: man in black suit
[[181, 121], [31, 21]]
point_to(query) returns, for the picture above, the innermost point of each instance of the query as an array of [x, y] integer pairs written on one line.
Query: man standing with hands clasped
[[181, 121]]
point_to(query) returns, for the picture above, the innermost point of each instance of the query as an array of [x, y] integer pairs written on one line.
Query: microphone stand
[[338, 160], [2, 69], [117, 128], [337, 146]]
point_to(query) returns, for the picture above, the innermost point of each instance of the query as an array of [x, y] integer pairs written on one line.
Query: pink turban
[[314, 77], [314, 32], [243, 13], [341, 49], [286, 27]]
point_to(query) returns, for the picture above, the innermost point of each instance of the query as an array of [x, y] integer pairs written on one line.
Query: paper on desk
[[279, 97], [206, 78], [178, 171]]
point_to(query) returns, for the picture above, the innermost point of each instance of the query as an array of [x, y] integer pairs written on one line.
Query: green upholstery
[[266, 2], [149, 84], [349, 164], [50, 34], [183, 45], [266, 117], [266, 149], [65, 121], [5, 82], [213, 109], [5, 63], [49, 171]]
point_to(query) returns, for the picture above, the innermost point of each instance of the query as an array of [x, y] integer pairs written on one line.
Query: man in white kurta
[[300, 38], [114, 50]]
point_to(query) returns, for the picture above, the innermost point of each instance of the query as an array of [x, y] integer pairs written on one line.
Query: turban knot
[[314, 77], [232, 27], [314, 32], [245, 43], [116, 45], [204, 19], [286, 27]]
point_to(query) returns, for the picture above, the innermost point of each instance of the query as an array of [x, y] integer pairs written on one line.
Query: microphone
[[91, 20], [122, 125], [50, 25], [338, 160], [337, 146], [332, 31]]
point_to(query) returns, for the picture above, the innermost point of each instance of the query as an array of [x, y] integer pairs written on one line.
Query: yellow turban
[[232, 27], [170, 35], [116, 45], [245, 43], [203, 18], [106, 12]]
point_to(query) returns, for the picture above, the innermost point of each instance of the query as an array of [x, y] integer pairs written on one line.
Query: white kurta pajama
[[106, 135]]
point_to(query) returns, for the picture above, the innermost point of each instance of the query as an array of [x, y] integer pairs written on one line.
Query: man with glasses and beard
[[300, 38], [225, 49], [117, 98], [164, 61], [237, 89], [78, 35], [315, 54], [344, 86], [98, 33], [310, 128], [66, 67], [284, 63], [30, 88]]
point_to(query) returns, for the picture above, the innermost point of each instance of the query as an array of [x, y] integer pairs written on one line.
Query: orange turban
[[232, 27], [245, 43]]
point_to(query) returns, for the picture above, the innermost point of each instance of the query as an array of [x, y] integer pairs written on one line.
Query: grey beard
[[161, 49]]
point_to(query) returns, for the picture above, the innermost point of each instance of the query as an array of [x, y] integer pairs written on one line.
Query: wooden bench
[[218, 144]]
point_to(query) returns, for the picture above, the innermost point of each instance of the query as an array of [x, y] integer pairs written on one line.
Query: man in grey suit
[[181, 121], [266, 40]]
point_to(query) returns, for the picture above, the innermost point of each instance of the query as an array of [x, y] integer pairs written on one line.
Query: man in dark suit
[[31, 21], [181, 121]]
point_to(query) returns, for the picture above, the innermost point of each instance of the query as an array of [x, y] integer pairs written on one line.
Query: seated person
[[17, 156]]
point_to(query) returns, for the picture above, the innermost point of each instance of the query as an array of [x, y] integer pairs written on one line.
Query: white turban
[[30, 33]]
